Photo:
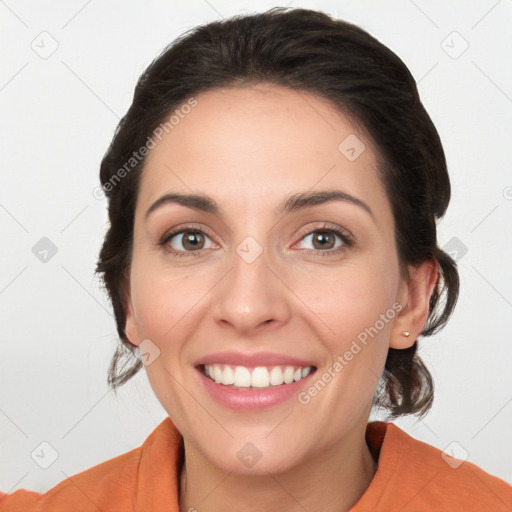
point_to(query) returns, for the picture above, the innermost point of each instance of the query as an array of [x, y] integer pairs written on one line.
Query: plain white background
[[67, 76]]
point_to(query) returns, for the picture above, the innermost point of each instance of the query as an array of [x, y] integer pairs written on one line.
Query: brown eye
[[192, 240], [323, 240], [328, 241], [186, 241]]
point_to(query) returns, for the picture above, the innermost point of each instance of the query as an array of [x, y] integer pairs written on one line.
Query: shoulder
[[424, 477], [91, 489], [119, 484]]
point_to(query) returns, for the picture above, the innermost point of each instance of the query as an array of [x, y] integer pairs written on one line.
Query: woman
[[272, 259]]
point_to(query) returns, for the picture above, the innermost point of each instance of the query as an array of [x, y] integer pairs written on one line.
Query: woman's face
[[264, 283]]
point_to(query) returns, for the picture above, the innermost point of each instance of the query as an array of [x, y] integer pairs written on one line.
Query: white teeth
[[228, 376], [242, 377], [217, 374], [288, 375], [276, 376], [260, 377]]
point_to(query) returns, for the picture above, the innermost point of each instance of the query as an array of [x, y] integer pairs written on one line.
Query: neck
[[331, 481]]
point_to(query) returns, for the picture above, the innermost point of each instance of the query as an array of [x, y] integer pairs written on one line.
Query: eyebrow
[[295, 202]]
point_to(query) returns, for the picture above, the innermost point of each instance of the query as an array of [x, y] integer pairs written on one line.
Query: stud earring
[[406, 333]]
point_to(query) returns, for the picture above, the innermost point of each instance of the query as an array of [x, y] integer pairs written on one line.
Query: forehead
[[257, 143]]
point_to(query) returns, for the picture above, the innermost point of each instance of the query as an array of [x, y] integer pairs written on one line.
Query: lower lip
[[252, 399]]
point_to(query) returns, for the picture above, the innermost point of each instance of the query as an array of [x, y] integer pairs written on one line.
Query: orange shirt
[[411, 476]]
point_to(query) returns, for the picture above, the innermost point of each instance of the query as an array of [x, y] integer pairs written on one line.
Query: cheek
[[161, 304], [358, 314], [358, 299], [169, 306]]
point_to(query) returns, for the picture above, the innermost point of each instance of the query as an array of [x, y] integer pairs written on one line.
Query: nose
[[252, 296]]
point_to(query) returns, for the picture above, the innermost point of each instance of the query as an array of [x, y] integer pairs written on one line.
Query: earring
[[406, 333]]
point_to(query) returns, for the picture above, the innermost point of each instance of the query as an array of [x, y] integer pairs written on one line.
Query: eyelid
[[164, 242], [180, 229], [346, 237], [326, 226]]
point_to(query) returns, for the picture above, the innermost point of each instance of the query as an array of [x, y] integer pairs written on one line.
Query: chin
[[251, 461]]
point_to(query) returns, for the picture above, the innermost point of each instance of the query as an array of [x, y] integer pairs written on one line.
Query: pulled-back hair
[[308, 51]]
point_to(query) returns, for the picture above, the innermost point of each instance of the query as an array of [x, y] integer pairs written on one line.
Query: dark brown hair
[[309, 51]]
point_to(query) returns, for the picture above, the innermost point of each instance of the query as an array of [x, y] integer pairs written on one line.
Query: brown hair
[[303, 50]]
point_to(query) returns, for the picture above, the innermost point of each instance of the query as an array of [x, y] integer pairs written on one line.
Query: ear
[[414, 296], [130, 327]]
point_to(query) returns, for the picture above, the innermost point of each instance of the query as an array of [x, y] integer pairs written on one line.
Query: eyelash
[[348, 241]]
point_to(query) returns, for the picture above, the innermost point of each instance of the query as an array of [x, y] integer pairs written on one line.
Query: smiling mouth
[[259, 377]]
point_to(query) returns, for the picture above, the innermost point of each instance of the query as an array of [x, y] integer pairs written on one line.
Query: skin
[[249, 149]]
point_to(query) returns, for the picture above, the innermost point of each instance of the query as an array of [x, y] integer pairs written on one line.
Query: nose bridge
[[250, 294]]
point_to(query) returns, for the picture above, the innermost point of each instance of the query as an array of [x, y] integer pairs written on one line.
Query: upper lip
[[250, 360]]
